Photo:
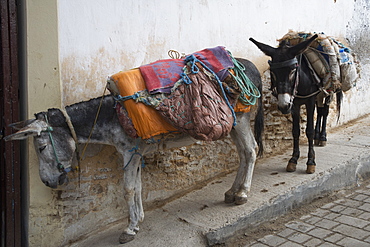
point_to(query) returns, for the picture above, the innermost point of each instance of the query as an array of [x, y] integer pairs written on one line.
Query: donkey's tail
[[259, 121], [339, 96]]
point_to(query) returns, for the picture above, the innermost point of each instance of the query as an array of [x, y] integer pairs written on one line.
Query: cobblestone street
[[343, 222]]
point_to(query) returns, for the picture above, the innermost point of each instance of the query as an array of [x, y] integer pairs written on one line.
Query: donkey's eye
[[42, 148]]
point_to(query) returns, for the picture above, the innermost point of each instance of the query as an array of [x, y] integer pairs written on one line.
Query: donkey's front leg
[[311, 165], [132, 189], [246, 146], [292, 164]]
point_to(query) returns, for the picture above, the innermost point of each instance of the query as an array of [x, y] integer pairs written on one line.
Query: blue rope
[[194, 70], [136, 148], [124, 98]]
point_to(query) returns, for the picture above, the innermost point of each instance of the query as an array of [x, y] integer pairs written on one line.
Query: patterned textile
[[161, 75]]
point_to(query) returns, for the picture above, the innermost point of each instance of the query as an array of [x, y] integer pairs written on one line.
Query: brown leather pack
[[199, 108]]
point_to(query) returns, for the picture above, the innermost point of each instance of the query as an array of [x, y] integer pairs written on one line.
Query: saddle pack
[[331, 60], [197, 95]]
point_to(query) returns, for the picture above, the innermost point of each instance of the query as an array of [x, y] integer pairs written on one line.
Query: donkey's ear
[[301, 47], [33, 128], [268, 50], [21, 124]]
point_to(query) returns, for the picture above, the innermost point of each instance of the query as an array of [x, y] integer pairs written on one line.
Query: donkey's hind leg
[[318, 125], [246, 146], [132, 188], [322, 138], [322, 106]]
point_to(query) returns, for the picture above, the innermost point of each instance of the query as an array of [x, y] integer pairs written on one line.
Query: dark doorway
[[11, 227]]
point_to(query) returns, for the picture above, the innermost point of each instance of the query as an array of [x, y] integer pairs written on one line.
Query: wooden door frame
[[12, 230]]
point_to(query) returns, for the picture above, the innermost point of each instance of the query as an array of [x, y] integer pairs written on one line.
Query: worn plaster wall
[[99, 38], [44, 90]]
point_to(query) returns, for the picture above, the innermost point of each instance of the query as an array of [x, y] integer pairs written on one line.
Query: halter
[[291, 62], [283, 64], [60, 166], [288, 63], [49, 129]]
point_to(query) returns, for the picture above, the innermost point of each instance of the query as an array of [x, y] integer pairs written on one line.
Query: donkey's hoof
[[125, 238], [316, 142], [310, 169], [291, 167], [229, 197], [240, 200], [322, 143]]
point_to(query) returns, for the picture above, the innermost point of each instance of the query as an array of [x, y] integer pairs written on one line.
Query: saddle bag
[[348, 72], [197, 104]]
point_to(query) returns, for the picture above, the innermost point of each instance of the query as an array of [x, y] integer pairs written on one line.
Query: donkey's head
[[283, 69], [53, 143]]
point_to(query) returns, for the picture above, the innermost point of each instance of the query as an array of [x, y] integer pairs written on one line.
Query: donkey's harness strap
[[61, 168], [74, 135], [283, 64]]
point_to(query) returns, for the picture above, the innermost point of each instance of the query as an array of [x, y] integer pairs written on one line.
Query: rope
[[249, 92], [136, 148], [174, 54], [124, 98], [74, 135], [92, 128]]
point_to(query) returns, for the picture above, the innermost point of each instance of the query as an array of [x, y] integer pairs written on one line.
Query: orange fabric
[[240, 107], [146, 120]]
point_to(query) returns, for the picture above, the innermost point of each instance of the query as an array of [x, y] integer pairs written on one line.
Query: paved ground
[[344, 221], [201, 218]]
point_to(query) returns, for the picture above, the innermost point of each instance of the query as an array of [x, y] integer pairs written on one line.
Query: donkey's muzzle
[[286, 109]]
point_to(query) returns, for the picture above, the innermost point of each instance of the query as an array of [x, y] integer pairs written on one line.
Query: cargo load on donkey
[[197, 95], [333, 64]]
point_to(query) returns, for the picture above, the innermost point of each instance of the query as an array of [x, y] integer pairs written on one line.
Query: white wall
[[100, 38]]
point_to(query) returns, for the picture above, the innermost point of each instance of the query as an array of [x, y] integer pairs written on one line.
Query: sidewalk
[[201, 218], [344, 222]]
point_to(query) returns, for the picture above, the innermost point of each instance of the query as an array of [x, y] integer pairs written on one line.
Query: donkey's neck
[[307, 85], [83, 116]]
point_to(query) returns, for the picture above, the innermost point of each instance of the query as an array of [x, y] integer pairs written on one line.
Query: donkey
[[57, 132], [294, 85]]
